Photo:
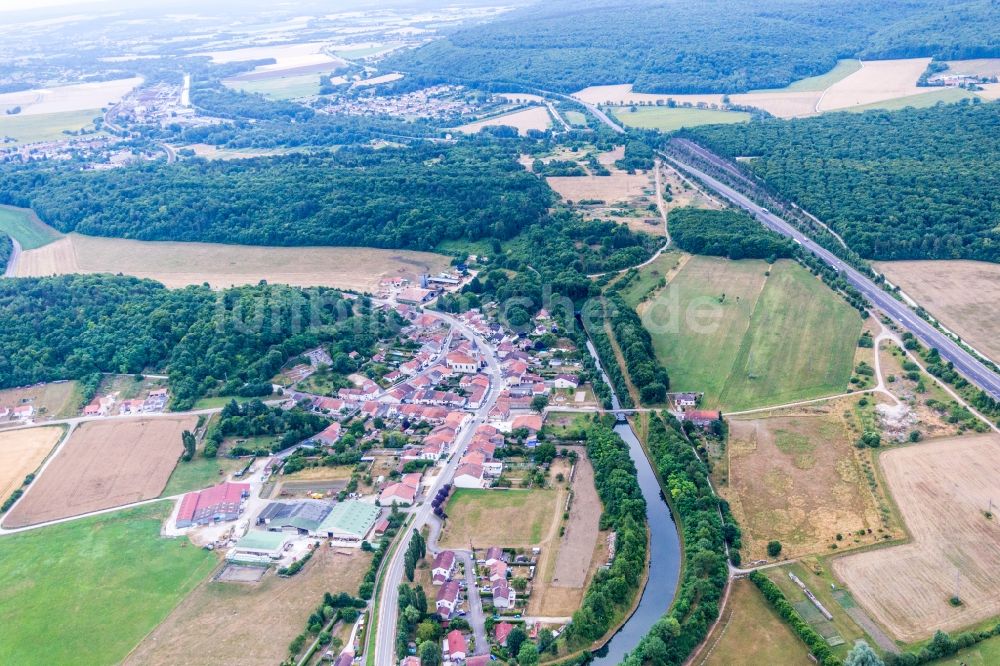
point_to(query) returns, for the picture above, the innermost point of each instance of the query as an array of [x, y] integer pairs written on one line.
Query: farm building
[[414, 295], [302, 517], [221, 502], [258, 547], [349, 522], [701, 417]]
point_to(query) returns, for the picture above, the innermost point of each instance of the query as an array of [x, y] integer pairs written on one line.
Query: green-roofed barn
[[349, 522], [259, 546]]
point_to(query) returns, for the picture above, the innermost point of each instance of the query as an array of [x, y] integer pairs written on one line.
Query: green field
[[840, 71], [575, 118], [24, 226], [986, 653], [649, 277], [283, 87], [46, 126], [920, 101], [746, 340], [86, 592], [200, 473], [666, 119], [498, 517]]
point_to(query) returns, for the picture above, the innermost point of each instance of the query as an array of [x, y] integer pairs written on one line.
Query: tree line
[[726, 233]]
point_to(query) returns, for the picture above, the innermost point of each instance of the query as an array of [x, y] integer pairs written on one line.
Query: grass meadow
[[748, 339], [45, 126], [87, 591], [498, 517], [668, 119], [25, 227]]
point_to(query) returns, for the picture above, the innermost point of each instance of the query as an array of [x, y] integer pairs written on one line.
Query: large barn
[[221, 502]]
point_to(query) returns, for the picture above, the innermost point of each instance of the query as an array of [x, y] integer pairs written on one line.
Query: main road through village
[[964, 362], [388, 609]]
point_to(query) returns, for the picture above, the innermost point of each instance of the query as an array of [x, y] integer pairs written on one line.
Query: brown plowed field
[[943, 489], [104, 464]]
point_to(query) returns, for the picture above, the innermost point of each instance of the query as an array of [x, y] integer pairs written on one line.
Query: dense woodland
[[914, 184], [71, 327], [6, 249], [726, 233], [681, 46], [401, 198]]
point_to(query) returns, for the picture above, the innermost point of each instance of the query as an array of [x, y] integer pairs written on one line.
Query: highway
[[965, 363], [388, 608], [600, 115]]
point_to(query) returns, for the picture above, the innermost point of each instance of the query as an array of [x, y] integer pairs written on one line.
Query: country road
[[15, 256], [964, 362], [592, 108]]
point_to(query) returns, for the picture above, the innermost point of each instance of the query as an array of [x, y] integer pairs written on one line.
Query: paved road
[[385, 639], [600, 115], [15, 256], [964, 362]]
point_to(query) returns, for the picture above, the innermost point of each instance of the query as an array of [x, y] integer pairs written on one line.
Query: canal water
[[665, 547]]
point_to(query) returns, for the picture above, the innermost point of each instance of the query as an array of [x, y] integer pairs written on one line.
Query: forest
[[6, 249], [680, 46], [72, 327], [726, 233], [411, 198], [912, 184]]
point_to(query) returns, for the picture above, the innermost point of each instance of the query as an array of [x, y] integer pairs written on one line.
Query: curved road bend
[[964, 362], [388, 608]]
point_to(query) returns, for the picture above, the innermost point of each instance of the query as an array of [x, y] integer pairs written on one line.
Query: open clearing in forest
[[24, 226], [532, 118], [103, 465], [178, 264], [797, 479], [21, 452], [85, 592], [666, 119], [52, 400], [751, 633], [48, 126], [618, 187], [963, 295], [749, 340], [509, 518], [281, 87], [943, 489], [79, 97], [220, 620]]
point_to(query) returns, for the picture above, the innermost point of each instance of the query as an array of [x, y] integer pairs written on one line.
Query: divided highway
[[965, 363]]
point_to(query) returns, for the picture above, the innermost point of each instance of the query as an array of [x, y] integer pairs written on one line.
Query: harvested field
[[797, 479], [178, 264], [876, 81], [249, 623], [977, 67], [667, 119], [780, 103], [21, 452], [532, 118], [377, 80], [79, 97], [210, 152], [286, 56], [920, 101], [623, 94], [821, 82], [103, 465], [618, 187], [942, 489], [280, 87], [53, 400], [521, 98], [563, 578], [751, 633], [86, 592], [961, 294], [511, 518]]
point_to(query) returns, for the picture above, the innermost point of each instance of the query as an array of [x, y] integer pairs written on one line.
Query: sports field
[[24, 226], [507, 518], [943, 489], [751, 633], [21, 452], [666, 119], [250, 624], [177, 264], [86, 592], [962, 294], [749, 340], [104, 464]]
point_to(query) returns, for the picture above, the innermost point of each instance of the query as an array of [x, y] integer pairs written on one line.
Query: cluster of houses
[[24, 412], [108, 405]]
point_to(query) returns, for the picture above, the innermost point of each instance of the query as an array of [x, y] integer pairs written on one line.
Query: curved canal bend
[[664, 545]]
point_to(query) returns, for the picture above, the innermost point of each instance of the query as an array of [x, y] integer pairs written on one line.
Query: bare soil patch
[[942, 489], [21, 452], [251, 624], [962, 294], [178, 264], [618, 187], [797, 479], [535, 117], [104, 464]]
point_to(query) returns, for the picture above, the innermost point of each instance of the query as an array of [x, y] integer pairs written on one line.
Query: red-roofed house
[[498, 571], [532, 422], [460, 362], [221, 502], [501, 631], [469, 475], [444, 564], [23, 412], [478, 660], [329, 435], [397, 493], [493, 554], [701, 417], [447, 597], [457, 647]]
